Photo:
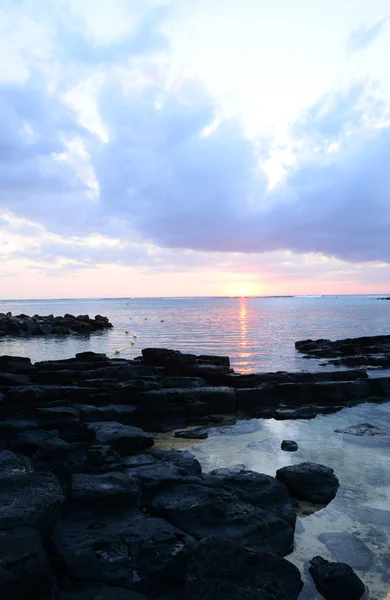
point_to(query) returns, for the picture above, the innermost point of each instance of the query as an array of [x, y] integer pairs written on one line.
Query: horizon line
[[335, 295]]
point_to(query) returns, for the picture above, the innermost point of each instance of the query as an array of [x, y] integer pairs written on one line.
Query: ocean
[[257, 333]]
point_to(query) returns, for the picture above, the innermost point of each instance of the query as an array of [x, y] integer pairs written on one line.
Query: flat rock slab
[[24, 568], [203, 511], [223, 570], [374, 516], [126, 439], [348, 548], [27, 498], [309, 481], [98, 592], [364, 429], [336, 580], [122, 548]]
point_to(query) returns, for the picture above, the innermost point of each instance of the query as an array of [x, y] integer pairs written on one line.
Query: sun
[[243, 290]]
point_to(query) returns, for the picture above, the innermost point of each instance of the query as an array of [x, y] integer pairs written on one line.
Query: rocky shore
[[89, 510], [24, 325], [368, 351]]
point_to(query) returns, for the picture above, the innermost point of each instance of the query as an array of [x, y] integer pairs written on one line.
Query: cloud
[[364, 36], [168, 171]]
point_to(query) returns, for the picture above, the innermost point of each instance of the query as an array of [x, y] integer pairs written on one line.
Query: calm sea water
[[257, 333]]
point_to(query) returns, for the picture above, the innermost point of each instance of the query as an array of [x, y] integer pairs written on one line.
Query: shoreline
[[79, 469]]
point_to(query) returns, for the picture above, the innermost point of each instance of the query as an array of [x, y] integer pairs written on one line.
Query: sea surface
[[257, 333]]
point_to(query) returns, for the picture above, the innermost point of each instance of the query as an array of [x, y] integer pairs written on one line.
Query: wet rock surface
[[309, 481], [336, 581], [24, 325]]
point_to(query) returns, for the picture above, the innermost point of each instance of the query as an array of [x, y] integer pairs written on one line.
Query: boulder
[[336, 580], [289, 446], [24, 567], [37, 441], [27, 498], [203, 511], [348, 548], [258, 489], [126, 548], [309, 481], [126, 439], [181, 458], [221, 569]]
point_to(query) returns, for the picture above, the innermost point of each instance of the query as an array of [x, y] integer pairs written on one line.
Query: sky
[[194, 147]]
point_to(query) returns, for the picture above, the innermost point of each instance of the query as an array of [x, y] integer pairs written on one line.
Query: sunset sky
[[194, 147]]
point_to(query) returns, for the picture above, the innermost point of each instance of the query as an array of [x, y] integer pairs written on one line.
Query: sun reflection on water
[[243, 353]]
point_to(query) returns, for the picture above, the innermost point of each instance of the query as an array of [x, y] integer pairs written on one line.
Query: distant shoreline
[[129, 298]]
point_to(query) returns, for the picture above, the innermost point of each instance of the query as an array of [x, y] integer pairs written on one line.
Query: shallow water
[[361, 464], [257, 333]]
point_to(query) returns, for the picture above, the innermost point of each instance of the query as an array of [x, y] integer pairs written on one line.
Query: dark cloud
[[179, 189], [364, 35]]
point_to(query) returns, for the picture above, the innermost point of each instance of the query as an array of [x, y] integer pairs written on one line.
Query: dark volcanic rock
[[24, 568], [192, 434], [31, 442], [309, 481], [223, 570], [27, 498], [157, 356], [183, 459], [348, 548], [126, 439], [109, 488], [219, 400], [203, 511], [80, 457], [289, 446], [126, 549], [97, 592], [24, 325], [364, 429], [336, 581], [258, 489]]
